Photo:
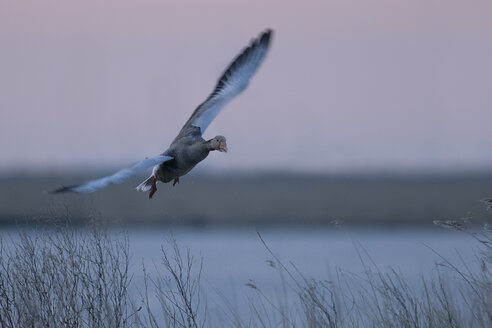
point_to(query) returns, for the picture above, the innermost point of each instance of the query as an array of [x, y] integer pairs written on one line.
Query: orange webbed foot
[[176, 181]]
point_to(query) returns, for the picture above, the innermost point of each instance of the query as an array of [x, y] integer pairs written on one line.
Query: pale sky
[[348, 85]]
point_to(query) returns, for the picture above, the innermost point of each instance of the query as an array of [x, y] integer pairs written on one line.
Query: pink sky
[[349, 85]]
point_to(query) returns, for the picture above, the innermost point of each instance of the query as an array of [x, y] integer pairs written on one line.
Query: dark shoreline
[[255, 200]]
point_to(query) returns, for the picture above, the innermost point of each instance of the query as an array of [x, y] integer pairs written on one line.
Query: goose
[[189, 147]]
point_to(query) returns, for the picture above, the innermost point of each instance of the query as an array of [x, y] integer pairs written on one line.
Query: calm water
[[233, 256], [238, 254]]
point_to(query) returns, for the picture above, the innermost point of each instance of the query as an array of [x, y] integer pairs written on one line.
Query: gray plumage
[[117, 177], [189, 148]]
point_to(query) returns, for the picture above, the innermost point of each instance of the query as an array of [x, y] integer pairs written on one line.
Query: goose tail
[[146, 185]]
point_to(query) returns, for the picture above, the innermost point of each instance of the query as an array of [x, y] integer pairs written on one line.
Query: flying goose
[[189, 148]]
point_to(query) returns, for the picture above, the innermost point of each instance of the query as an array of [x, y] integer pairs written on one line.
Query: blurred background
[[367, 121], [363, 111]]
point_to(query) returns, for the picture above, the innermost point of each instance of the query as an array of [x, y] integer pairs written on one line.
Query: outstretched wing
[[118, 177], [232, 82]]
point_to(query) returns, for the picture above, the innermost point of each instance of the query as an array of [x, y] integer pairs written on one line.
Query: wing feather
[[232, 82], [117, 177]]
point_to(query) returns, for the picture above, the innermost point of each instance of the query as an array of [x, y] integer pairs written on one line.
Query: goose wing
[[117, 177], [232, 82]]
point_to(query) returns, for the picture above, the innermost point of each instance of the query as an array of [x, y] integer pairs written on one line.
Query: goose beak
[[223, 147]]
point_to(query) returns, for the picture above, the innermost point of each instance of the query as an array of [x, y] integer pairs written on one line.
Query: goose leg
[[153, 189], [176, 181]]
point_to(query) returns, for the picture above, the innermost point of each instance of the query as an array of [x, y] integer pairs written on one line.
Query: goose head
[[218, 143]]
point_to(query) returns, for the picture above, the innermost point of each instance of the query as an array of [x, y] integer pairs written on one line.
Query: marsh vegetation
[[60, 277]]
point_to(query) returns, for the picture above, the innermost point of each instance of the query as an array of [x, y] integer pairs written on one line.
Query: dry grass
[[178, 292], [64, 278]]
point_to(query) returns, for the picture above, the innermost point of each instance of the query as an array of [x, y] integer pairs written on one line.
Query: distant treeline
[[263, 199]]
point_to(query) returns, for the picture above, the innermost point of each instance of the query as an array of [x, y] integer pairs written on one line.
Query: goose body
[[189, 147], [186, 153]]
